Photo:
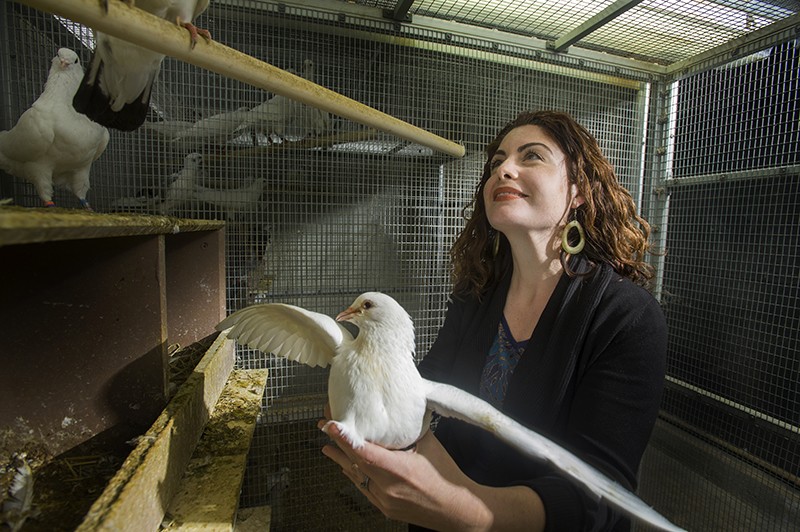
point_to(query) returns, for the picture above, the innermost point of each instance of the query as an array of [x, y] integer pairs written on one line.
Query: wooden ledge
[[21, 225]]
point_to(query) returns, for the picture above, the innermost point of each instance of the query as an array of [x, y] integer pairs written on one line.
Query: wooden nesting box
[[89, 306]]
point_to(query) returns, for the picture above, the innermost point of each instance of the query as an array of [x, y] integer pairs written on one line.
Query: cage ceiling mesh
[[658, 31]]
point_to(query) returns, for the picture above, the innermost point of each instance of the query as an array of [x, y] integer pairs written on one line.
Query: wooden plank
[[208, 498], [21, 225], [139, 494]]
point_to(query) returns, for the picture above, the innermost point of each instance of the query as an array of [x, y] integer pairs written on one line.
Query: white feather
[[266, 327]]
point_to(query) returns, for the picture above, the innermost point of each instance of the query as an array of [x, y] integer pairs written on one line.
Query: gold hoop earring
[[496, 243], [577, 248]]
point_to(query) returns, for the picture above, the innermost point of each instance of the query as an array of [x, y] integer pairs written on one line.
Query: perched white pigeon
[[269, 119], [167, 130], [281, 118], [232, 200], [307, 120], [52, 144], [182, 190], [376, 393], [116, 89], [216, 129]]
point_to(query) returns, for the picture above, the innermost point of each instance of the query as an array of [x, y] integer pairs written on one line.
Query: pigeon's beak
[[65, 63], [348, 314]]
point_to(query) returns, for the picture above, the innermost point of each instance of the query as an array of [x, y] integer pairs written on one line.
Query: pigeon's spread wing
[[453, 402], [287, 331]]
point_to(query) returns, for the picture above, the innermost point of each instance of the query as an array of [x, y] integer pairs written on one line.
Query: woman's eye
[[531, 155], [495, 163]]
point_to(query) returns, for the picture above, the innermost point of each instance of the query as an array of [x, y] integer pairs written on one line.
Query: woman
[[549, 321]]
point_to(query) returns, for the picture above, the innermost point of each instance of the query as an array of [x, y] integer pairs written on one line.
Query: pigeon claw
[[346, 433], [194, 31]]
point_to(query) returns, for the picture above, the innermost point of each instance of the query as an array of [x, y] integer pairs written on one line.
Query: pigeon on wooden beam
[[214, 130], [116, 90], [51, 143]]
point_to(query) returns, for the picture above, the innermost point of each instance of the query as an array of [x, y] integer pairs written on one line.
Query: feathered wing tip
[[96, 105], [450, 401], [287, 331]]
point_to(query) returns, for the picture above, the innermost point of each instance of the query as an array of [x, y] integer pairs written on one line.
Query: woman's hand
[[421, 486]]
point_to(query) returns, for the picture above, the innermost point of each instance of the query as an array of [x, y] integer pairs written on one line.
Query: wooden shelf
[[194, 481], [90, 304]]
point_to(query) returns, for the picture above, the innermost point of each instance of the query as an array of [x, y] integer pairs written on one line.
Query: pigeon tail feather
[[454, 402]]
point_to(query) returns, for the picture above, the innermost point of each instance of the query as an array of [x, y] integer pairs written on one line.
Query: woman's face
[[528, 189]]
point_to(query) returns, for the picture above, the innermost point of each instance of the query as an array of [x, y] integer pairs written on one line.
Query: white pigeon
[[281, 118], [116, 89], [166, 130], [308, 120], [376, 393], [52, 144], [216, 129], [233, 201], [182, 189], [269, 118]]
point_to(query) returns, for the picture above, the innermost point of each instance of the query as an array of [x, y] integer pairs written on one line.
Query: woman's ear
[[577, 197]]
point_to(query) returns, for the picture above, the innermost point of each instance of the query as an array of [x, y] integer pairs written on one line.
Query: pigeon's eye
[[75, 62], [367, 305]]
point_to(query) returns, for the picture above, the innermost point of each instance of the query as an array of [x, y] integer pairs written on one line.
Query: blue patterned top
[[500, 363]]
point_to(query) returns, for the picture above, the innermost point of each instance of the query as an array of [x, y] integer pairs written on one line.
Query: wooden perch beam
[[159, 35]]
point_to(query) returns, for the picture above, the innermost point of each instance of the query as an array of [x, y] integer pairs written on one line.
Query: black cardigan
[[590, 379]]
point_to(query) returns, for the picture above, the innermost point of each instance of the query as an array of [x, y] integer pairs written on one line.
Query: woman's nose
[[506, 170]]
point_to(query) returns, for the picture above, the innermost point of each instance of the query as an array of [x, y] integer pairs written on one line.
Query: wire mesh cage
[[321, 211]]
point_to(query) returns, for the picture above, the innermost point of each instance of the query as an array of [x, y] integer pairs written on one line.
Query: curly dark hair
[[615, 233]]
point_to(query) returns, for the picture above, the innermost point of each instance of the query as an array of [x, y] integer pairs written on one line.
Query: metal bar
[[159, 35], [758, 173], [736, 406], [661, 122], [600, 19]]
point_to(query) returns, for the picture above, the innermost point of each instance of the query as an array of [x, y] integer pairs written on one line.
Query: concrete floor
[[702, 488]]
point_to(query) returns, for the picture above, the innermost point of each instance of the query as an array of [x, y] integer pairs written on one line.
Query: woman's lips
[[507, 194]]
